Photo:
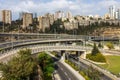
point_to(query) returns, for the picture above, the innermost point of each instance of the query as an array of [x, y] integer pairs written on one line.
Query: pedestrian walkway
[[57, 77]]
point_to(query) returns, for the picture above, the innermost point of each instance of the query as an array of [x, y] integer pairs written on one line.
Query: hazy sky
[[77, 7]]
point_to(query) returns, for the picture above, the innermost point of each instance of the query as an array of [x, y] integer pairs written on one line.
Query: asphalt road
[[64, 72]]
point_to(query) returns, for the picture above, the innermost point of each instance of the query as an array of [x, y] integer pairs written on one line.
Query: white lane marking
[[67, 76], [61, 69], [65, 73], [69, 79]]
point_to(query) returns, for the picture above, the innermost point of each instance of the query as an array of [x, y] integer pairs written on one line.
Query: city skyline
[[77, 7]]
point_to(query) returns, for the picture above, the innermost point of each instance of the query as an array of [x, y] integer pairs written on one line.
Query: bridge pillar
[[81, 54], [66, 55], [62, 52], [63, 56]]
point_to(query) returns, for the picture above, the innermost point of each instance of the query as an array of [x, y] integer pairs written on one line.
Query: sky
[[76, 7]]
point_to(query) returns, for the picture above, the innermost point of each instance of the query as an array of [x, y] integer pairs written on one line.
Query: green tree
[[57, 27], [95, 50], [96, 55], [110, 45], [20, 67], [46, 64], [100, 45]]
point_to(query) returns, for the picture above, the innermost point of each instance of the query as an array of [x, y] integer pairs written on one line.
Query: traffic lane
[[61, 72], [64, 72], [67, 72]]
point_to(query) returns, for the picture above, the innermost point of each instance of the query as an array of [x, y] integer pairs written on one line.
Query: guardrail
[[34, 41], [39, 48], [105, 72]]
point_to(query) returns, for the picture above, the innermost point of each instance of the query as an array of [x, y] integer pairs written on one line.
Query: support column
[[78, 53], [62, 52], [62, 55], [81, 54]]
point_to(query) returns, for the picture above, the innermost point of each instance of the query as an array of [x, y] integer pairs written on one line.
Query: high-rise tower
[[112, 12], [5, 16]]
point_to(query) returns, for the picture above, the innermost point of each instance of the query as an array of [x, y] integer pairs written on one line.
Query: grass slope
[[113, 64]]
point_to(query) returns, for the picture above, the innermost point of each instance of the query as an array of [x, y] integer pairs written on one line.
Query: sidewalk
[[57, 77], [76, 73]]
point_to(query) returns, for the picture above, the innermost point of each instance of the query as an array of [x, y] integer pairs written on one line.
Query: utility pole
[[11, 40], [3, 27], [55, 33], [18, 27], [119, 42], [73, 34], [103, 42]]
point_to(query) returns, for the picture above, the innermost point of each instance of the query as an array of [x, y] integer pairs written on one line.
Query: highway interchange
[[61, 69]]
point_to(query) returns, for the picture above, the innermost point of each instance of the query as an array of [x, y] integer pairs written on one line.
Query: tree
[[95, 50], [110, 45], [46, 64], [56, 27], [20, 67], [96, 55], [100, 45]]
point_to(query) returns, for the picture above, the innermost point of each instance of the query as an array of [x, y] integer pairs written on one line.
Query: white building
[[119, 14], [106, 16], [69, 15], [112, 12], [59, 14], [116, 15]]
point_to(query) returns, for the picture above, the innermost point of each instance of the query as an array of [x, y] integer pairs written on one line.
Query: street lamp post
[[103, 43], [18, 31], [55, 33], [103, 39], [119, 42], [11, 40], [3, 27], [73, 33]]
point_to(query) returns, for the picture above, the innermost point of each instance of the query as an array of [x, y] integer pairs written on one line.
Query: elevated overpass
[[39, 48], [50, 36], [5, 56], [25, 43], [36, 41]]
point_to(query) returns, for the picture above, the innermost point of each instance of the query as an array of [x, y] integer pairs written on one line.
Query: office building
[[5, 16], [27, 19], [44, 23], [116, 15], [107, 16], [112, 12], [59, 14], [119, 14], [69, 15], [50, 17]]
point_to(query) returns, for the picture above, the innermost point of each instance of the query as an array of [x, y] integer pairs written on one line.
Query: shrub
[[110, 45], [97, 58], [84, 75], [77, 69]]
